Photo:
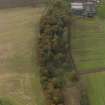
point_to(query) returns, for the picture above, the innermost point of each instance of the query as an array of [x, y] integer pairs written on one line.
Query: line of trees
[[53, 50]]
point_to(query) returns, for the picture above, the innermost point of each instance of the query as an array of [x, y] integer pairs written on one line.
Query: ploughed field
[[19, 78]]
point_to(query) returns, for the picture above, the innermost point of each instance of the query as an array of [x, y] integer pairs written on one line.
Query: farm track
[[91, 71]]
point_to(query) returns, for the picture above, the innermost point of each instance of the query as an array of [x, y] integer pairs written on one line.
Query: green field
[[88, 40], [88, 49], [96, 88], [19, 77]]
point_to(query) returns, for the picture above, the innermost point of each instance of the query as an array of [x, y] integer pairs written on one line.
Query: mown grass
[[95, 84], [88, 40], [19, 77]]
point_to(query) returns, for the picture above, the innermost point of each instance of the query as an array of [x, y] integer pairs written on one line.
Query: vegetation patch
[[101, 10], [4, 101], [54, 51], [88, 38], [95, 84]]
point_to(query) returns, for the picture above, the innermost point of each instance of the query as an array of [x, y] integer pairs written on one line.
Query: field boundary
[[91, 71], [20, 3]]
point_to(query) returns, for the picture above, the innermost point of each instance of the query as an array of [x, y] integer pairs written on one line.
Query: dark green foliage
[[101, 11], [54, 50], [84, 99]]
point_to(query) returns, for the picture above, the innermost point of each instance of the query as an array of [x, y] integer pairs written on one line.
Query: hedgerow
[[54, 50]]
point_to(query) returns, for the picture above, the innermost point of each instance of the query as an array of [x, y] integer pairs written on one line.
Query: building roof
[[77, 5]]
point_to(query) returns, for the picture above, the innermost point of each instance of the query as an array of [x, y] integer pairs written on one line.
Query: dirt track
[[91, 71]]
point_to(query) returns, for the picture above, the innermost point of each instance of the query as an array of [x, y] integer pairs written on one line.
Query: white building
[[86, 8], [77, 6]]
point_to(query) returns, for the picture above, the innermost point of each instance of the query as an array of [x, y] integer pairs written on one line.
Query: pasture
[[19, 77], [88, 49], [95, 84], [88, 40]]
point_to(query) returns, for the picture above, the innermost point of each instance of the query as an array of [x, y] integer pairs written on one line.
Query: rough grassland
[[88, 40], [19, 78], [96, 88]]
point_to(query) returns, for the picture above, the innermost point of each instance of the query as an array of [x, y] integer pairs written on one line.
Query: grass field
[[96, 88], [19, 78], [88, 49], [88, 40]]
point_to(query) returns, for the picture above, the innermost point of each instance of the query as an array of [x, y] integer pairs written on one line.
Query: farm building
[[77, 8], [84, 8], [90, 8]]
